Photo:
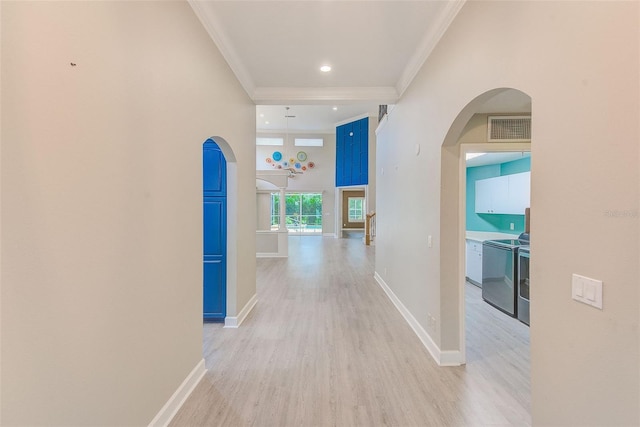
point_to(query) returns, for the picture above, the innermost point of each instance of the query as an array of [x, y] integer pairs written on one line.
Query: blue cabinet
[[352, 153], [214, 183], [214, 170]]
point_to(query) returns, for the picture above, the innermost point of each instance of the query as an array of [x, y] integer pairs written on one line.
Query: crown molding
[[428, 43], [211, 24], [325, 95]]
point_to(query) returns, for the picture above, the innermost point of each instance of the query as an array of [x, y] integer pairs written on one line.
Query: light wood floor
[[324, 346]]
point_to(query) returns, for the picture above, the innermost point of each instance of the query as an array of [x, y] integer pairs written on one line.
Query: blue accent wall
[[493, 222], [352, 153]]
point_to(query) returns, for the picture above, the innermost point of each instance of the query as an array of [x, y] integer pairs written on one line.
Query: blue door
[[214, 194]]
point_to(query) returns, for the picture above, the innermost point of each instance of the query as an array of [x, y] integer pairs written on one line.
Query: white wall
[[263, 208], [102, 205], [1, 68], [579, 63], [320, 179]]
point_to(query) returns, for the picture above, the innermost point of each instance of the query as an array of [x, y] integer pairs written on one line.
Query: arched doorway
[[453, 208], [216, 150], [214, 194]]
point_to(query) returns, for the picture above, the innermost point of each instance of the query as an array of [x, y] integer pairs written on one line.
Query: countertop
[[481, 236]]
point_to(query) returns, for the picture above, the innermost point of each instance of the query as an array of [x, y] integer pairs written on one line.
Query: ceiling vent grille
[[509, 128]]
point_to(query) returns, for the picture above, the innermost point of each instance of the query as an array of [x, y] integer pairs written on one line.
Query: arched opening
[[230, 230], [271, 230], [453, 215]]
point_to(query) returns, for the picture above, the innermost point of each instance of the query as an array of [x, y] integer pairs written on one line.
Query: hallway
[[325, 346]]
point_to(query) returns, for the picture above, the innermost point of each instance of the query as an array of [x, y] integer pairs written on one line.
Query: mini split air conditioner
[[509, 129]]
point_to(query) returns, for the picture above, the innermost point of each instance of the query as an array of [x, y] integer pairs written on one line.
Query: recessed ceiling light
[[261, 115], [325, 68], [335, 108], [266, 123]]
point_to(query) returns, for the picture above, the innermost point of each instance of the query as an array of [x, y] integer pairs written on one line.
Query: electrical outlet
[[432, 323], [512, 226]]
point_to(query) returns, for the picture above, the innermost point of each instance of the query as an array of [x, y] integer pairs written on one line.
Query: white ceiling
[[496, 158], [375, 48], [276, 48]]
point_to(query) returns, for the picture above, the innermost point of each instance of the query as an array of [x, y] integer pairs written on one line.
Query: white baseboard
[[175, 402], [451, 358], [442, 358], [270, 255], [234, 322], [329, 235]]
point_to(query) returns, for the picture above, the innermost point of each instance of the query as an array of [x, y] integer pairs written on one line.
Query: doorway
[[303, 214], [484, 322], [467, 133], [214, 168], [351, 211]]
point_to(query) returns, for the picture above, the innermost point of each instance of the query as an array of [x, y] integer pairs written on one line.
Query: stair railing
[[370, 228]]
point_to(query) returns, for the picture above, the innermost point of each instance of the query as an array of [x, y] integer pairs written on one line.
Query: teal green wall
[[516, 166], [493, 222]]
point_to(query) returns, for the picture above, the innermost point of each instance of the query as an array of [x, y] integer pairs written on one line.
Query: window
[[308, 142], [269, 141], [275, 211], [356, 211], [303, 212]]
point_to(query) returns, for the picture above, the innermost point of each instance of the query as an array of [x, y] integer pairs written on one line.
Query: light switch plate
[[586, 290]]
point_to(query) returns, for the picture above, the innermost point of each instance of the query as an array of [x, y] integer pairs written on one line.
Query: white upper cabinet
[[507, 194], [491, 194], [519, 193]]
